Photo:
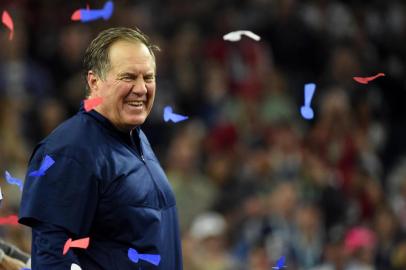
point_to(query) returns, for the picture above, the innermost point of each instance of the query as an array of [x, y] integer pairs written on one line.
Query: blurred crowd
[[254, 181]]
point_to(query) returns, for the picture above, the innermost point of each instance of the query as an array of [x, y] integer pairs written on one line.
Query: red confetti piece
[[92, 102], [10, 220], [7, 21], [365, 80], [76, 15], [80, 243]]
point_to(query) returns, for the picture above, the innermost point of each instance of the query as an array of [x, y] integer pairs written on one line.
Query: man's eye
[[149, 78], [126, 78]]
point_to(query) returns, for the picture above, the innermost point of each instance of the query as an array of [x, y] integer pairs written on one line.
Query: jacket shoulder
[[75, 138]]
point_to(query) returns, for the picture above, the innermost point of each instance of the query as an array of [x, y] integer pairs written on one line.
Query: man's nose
[[139, 87]]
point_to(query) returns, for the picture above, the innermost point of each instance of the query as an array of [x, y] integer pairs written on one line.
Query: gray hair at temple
[[96, 56]]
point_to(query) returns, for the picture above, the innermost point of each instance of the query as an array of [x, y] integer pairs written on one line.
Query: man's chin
[[136, 122]]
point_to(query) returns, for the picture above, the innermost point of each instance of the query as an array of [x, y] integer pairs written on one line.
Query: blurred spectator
[[397, 188], [398, 257], [387, 232], [280, 185], [360, 243], [334, 255], [280, 220], [208, 232], [308, 238], [194, 192], [257, 259], [13, 258]]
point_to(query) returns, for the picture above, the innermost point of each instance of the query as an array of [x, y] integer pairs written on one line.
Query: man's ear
[[92, 80]]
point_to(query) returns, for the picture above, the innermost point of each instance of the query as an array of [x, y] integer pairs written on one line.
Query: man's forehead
[[122, 67], [131, 56], [129, 50]]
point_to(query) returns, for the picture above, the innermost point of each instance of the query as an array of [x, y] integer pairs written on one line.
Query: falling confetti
[[280, 263], [87, 15], [10, 220], [74, 266], [170, 116], [236, 35], [92, 103], [366, 80], [13, 181], [151, 258], [7, 21], [80, 243], [306, 110], [46, 163]]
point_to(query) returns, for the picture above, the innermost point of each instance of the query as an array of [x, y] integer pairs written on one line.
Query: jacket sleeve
[[47, 248], [66, 195]]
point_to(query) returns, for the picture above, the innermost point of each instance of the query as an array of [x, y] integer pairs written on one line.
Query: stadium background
[[254, 181]]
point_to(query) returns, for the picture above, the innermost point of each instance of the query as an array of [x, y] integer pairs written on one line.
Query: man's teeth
[[135, 103]]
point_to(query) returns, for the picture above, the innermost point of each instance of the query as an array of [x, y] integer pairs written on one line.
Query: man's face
[[128, 91]]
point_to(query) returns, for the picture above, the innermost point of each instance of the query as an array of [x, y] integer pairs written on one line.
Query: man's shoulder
[[75, 137], [79, 129]]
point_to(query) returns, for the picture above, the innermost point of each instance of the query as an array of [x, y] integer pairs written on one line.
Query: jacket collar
[[108, 125]]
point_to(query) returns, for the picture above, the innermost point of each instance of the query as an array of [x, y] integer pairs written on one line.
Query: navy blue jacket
[[106, 185]]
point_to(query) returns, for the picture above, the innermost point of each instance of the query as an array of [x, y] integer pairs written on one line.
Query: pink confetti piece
[[10, 220], [80, 243], [7, 21], [76, 16], [92, 102], [365, 80]]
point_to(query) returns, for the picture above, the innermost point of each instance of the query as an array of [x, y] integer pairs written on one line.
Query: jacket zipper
[[146, 165], [139, 152]]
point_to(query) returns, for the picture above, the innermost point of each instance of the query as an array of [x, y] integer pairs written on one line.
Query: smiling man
[[106, 182]]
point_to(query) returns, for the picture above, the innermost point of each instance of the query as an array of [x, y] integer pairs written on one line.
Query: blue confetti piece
[[13, 181], [87, 15], [280, 263], [46, 163], [170, 116], [151, 258], [306, 110]]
